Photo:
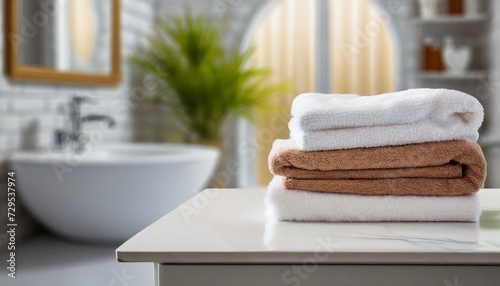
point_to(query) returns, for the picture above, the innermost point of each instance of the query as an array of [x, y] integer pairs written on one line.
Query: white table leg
[[156, 273]]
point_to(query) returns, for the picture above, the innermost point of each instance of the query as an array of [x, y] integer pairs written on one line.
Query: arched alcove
[[358, 74]]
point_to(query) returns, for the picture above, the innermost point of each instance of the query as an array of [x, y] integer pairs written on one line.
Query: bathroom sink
[[112, 192]]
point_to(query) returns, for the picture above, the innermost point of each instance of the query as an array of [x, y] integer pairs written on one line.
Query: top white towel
[[343, 121]]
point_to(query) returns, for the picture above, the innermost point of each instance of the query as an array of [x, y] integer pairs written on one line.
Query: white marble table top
[[229, 226]]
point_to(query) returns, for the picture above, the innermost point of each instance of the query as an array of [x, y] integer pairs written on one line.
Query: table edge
[[431, 258]]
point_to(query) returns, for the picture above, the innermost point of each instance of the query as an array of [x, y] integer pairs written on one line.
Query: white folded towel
[[295, 205], [343, 121]]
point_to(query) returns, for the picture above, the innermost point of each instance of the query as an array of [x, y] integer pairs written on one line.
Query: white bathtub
[[111, 193]]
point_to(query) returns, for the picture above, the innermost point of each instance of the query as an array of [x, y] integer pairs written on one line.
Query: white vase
[[428, 8], [456, 59]]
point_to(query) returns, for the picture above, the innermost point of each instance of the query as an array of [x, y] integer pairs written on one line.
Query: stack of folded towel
[[402, 156]]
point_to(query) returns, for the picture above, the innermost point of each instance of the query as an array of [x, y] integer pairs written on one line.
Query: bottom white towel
[[296, 205]]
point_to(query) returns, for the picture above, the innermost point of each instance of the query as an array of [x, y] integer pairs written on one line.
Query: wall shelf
[[470, 75], [446, 19], [475, 32]]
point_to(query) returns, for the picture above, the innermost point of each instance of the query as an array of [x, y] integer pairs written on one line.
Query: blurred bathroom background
[[332, 46]]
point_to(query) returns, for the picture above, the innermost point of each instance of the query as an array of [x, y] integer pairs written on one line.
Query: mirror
[[63, 41]]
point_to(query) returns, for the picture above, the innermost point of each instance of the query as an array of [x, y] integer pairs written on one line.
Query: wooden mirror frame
[[16, 71]]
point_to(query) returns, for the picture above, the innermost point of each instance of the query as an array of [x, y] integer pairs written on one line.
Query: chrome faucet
[[75, 136]]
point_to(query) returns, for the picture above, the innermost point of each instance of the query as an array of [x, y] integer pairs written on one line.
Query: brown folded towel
[[446, 168]]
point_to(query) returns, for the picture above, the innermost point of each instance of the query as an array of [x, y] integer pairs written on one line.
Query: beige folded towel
[[446, 168]]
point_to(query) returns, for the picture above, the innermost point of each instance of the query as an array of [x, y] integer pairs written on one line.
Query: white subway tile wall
[[3, 140], [3, 105]]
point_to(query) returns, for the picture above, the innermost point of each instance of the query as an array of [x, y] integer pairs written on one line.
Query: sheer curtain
[[284, 42], [361, 50], [361, 58]]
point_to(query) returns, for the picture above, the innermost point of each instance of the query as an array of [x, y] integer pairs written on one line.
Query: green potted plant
[[205, 84]]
